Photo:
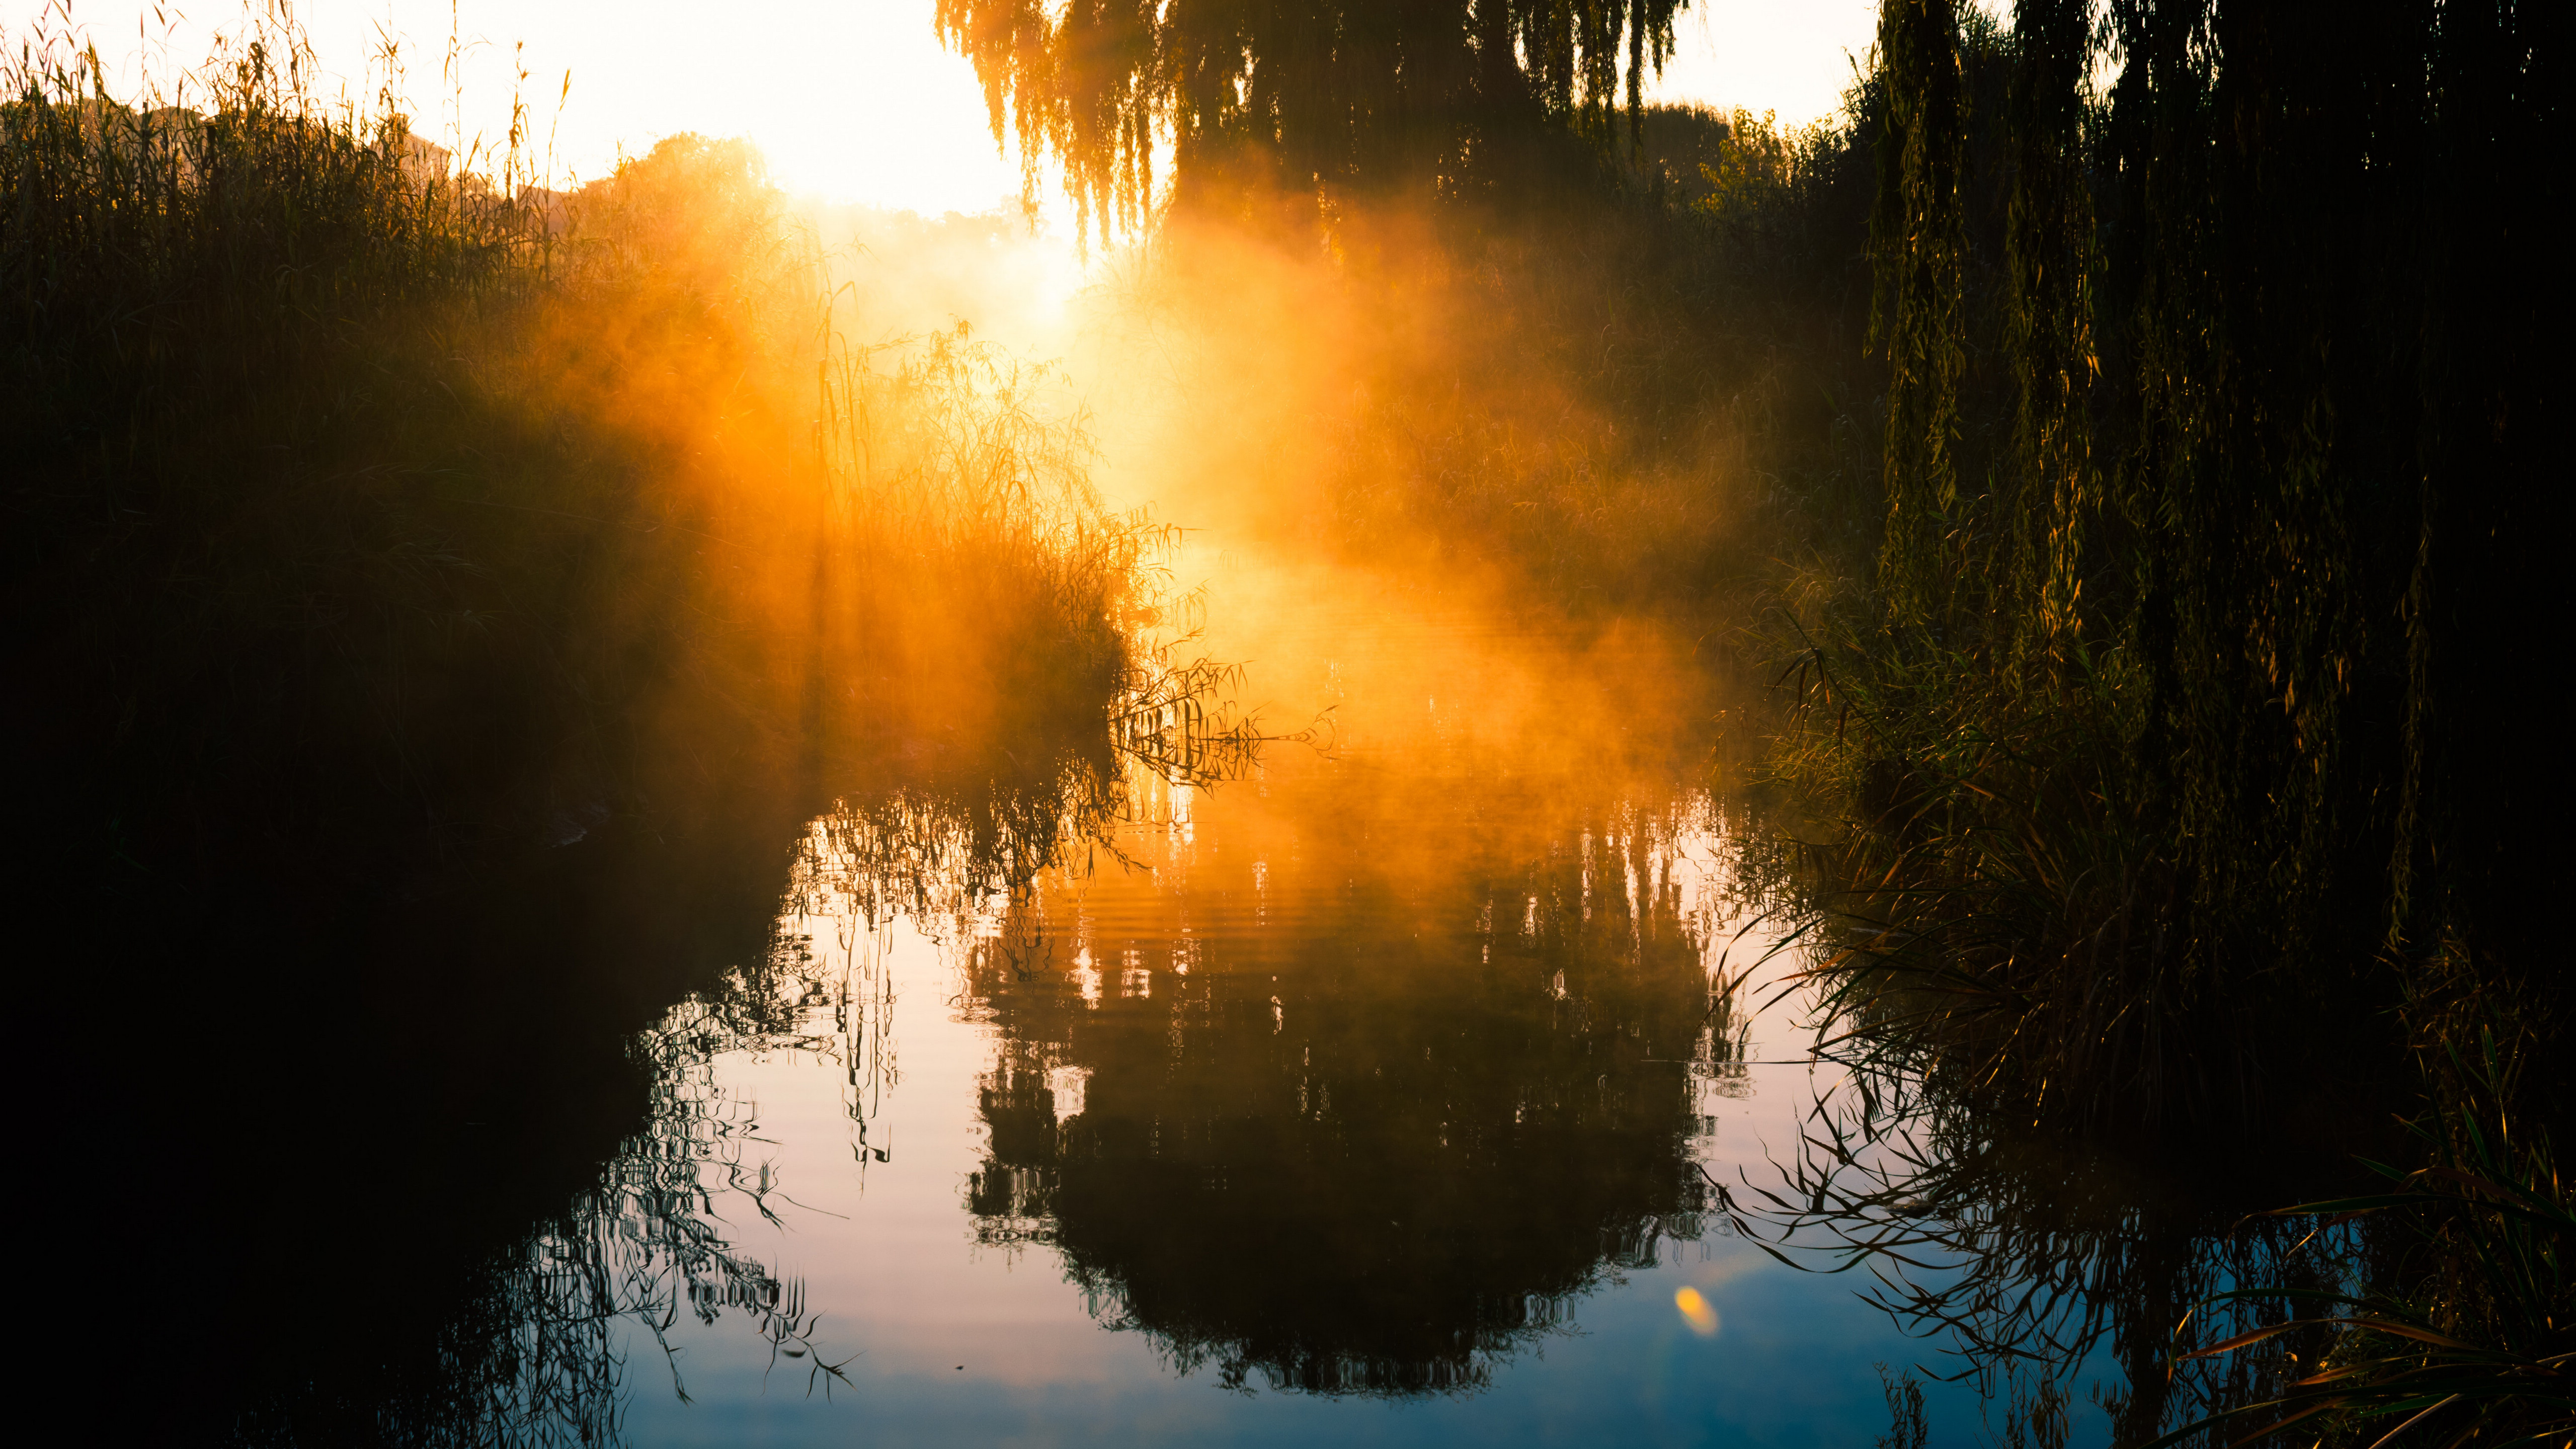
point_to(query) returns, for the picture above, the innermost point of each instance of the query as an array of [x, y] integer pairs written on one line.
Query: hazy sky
[[850, 99]]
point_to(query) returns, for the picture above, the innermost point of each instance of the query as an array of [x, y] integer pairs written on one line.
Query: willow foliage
[[2221, 337], [1918, 235], [1314, 100]]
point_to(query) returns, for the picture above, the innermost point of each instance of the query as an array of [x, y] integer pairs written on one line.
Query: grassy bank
[[372, 488], [440, 604]]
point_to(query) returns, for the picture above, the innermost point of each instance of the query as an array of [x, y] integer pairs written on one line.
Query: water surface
[[1377, 1094]]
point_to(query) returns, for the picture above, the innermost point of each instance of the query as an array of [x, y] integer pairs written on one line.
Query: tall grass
[[443, 604], [2470, 1336], [485, 492], [2004, 906]]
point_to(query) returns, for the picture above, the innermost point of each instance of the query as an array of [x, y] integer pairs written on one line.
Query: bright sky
[[852, 100], [1790, 56]]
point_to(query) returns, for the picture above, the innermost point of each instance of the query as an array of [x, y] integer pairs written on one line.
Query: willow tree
[[1313, 100], [2218, 395]]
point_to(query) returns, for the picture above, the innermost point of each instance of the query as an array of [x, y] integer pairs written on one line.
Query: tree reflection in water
[[1358, 1096], [539, 1354], [1354, 1105], [535, 1347], [1358, 1099]]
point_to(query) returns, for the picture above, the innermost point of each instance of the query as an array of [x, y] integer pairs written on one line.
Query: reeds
[[492, 491], [384, 528], [2472, 1340], [2003, 907], [250, 380], [198, 243]]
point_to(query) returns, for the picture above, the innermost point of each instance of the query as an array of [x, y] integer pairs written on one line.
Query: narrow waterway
[[1377, 1094]]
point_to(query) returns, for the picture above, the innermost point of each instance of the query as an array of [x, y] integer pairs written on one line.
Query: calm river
[[1372, 1097]]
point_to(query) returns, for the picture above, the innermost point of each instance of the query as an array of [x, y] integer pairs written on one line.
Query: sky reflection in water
[[1371, 1097]]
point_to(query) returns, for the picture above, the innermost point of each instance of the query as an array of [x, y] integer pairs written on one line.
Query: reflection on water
[[1393, 1086], [1425, 1080], [2036, 1264], [1350, 1076], [1323, 1116]]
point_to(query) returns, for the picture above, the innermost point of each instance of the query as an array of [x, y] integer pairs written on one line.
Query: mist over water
[[1377, 1092]]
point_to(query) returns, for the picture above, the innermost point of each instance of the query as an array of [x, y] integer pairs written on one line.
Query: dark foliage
[[1271, 109], [2215, 402]]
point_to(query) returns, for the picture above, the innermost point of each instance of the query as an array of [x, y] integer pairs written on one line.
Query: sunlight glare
[[853, 101], [1765, 56], [850, 102], [1697, 1311]]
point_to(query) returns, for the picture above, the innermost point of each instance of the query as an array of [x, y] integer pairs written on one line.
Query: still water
[[1374, 1095]]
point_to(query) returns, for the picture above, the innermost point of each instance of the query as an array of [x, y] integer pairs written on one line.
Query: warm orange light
[[1697, 1311]]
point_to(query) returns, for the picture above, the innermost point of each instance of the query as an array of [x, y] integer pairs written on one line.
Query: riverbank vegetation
[[441, 601], [342, 462], [2173, 713], [2153, 681]]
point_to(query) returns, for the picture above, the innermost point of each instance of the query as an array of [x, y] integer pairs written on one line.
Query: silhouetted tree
[[1268, 105], [2216, 401]]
